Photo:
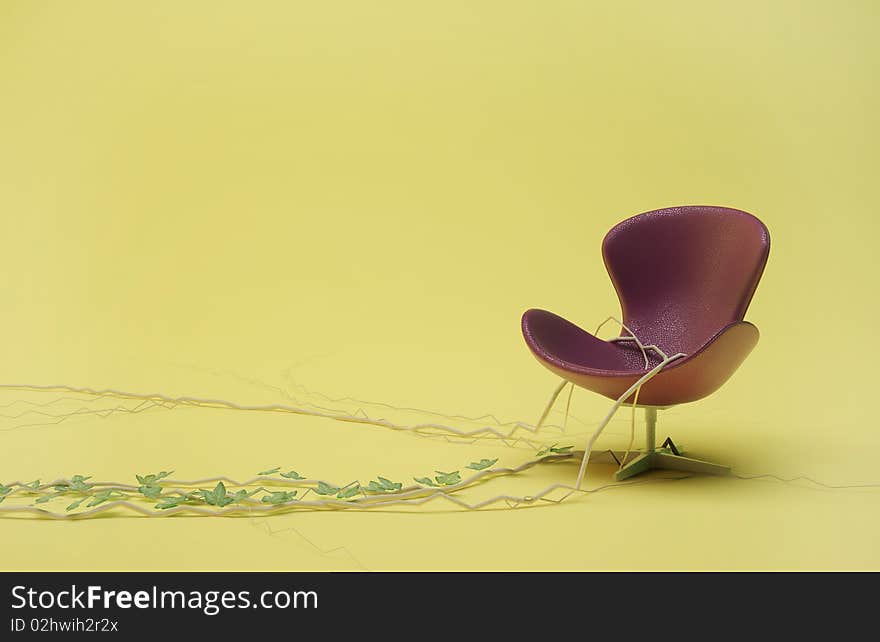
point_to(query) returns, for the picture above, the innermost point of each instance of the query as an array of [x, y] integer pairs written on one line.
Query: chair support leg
[[668, 461], [652, 459], [650, 429], [638, 465]]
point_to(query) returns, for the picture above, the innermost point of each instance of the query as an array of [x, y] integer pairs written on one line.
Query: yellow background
[[366, 196]]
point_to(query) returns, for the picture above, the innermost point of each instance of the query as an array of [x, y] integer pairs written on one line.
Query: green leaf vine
[[163, 494]]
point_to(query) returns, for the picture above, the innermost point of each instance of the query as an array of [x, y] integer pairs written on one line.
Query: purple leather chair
[[685, 277]]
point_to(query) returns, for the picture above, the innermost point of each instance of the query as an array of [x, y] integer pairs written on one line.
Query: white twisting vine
[[410, 495]]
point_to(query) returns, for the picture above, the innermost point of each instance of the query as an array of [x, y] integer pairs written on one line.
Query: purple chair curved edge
[[685, 277]]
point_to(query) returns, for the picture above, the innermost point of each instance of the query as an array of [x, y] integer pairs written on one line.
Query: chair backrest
[[683, 273]]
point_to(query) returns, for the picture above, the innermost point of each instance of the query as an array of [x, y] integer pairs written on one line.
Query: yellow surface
[[366, 196]]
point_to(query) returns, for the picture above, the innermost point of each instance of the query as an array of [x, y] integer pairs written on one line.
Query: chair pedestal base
[[666, 461], [653, 459]]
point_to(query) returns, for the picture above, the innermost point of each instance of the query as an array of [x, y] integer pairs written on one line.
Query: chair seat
[[565, 345], [609, 368]]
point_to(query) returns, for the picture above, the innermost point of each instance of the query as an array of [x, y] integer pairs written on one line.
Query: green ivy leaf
[[151, 480], [44, 499], [77, 482], [280, 497], [76, 504], [425, 481], [448, 479], [387, 484], [170, 502], [271, 471], [292, 475], [152, 491], [555, 449], [5, 490], [34, 484], [241, 495], [326, 489], [351, 491], [101, 497], [384, 486], [217, 497], [482, 464]]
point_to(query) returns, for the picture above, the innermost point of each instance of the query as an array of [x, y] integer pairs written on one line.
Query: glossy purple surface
[[685, 277], [683, 273]]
